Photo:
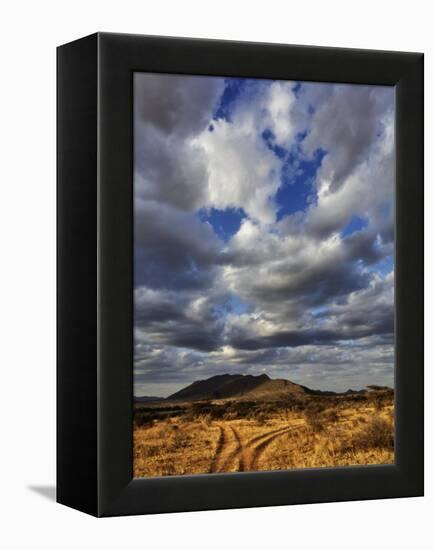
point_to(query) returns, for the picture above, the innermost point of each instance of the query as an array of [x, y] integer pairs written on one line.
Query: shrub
[[261, 418], [378, 402], [143, 420], [331, 416], [313, 419], [180, 441], [201, 408], [218, 412], [378, 433], [149, 451]]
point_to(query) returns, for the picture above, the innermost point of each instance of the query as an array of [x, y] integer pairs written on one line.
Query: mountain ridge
[[248, 387], [147, 398], [239, 386]]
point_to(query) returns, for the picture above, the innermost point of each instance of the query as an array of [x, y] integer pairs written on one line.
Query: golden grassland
[[250, 436]]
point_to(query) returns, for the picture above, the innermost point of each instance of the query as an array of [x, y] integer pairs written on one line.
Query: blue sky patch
[[269, 138], [384, 266], [237, 306], [225, 223], [296, 89], [300, 136], [319, 311], [355, 224], [297, 190], [231, 305], [233, 89]]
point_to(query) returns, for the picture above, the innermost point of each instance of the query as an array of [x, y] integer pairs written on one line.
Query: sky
[[263, 231]]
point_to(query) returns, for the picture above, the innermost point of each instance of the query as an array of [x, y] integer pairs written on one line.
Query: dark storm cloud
[[283, 339], [306, 276], [326, 354], [186, 321], [161, 310], [371, 310], [314, 286], [175, 104], [184, 333], [353, 331], [364, 313], [165, 363], [341, 366], [364, 246], [174, 249]]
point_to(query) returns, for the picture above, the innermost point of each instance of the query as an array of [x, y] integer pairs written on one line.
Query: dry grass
[[230, 437]]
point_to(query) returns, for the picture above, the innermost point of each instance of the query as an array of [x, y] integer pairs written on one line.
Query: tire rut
[[218, 451], [247, 454], [257, 438], [259, 449], [224, 454], [235, 454]]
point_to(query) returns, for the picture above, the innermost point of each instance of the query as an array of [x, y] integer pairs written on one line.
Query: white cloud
[[242, 171], [346, 124], [280, 108]]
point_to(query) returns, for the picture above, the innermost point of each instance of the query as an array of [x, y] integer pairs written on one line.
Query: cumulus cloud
[[346, 125], [234, 181], [176, 105], [306, 295], [169, 111], [173, 249], [187, 322]]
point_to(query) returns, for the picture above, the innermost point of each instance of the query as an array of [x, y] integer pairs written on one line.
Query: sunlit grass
[[317, 433]]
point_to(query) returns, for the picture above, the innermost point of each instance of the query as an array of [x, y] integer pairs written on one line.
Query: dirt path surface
[[234, 454], [262, 446], [228, 448], [220, 444]]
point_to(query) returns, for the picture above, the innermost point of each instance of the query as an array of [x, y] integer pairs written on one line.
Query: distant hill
[[240, 387], [375, 388], [147, 399]]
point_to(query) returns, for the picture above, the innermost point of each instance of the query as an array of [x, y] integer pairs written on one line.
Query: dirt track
[[235, 455]]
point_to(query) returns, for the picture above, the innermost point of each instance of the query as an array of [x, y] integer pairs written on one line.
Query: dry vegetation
[[317, 431]]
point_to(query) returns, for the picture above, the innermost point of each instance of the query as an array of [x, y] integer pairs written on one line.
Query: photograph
[[264, 251]]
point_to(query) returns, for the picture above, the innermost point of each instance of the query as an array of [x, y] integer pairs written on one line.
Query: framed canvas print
[[240, 274]]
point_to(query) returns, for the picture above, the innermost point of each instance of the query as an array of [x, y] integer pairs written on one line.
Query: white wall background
[[29, 34]]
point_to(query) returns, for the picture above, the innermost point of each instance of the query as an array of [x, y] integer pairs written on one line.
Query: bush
[[180, 441], [378, 433], [261, 418], [142, 420], [331, 416], [381, 399], [313, 419]]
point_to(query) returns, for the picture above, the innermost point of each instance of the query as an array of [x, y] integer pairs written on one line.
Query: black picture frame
[[95, 274]]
